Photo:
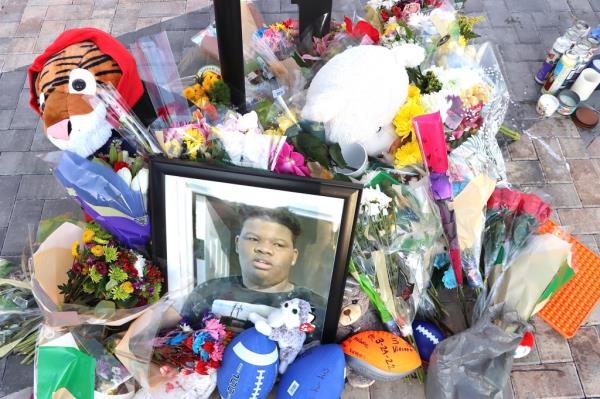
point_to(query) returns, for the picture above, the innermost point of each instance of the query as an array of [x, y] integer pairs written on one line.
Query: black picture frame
[[349, 192]]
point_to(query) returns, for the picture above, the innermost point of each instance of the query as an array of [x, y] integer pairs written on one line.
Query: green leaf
[[335, 152], [313, 148], [262, 109], [113, 155], [316, 129], [6, 349], [293, 131]]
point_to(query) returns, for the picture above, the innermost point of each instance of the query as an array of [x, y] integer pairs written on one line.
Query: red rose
[[397, 11], [201, 367], [385, 16]]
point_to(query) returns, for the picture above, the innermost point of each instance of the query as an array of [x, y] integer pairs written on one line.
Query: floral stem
[[461, 298]]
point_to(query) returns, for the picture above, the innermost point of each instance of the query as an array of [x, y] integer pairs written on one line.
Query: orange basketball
[[380, 355]]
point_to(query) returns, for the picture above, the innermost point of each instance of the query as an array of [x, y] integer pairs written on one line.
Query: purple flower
[[76, 268], [89, 261], [102, 268]]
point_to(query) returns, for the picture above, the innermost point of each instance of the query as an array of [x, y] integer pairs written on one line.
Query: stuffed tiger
[[71, 68]]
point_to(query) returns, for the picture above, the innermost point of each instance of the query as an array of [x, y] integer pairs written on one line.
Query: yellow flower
[[127, 287], [194, 140], [209, 78], [75, 248], [189, 93], [97, 250], [403, 119], [462, 42], [390, 28], [272, 132], [88, 235], [284, 123], [414, 94], [408, 154]]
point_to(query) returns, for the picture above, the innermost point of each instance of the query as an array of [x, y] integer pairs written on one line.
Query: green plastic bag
[[63, 367]]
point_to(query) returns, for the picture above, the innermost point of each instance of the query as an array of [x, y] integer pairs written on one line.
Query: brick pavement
[[553, 156]]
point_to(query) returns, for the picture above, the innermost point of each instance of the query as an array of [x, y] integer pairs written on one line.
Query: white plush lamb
[[358, 93], [287, 326]]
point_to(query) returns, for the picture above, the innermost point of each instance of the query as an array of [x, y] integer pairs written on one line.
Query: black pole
[[314, 16], [228, 21]]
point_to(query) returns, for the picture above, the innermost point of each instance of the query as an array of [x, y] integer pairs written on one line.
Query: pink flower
[[215, 329], [290, 162]]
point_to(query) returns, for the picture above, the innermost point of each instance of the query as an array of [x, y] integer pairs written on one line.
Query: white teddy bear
[[358, 93]]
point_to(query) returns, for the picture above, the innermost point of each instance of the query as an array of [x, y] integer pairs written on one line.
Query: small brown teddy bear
[[357, 315]]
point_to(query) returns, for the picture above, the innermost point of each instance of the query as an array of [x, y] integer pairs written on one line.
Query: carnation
[[374, 202]]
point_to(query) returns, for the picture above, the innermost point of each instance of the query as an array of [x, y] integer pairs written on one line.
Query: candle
[[586, 83]]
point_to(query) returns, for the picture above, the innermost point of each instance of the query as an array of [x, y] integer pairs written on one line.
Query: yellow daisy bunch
[[194, 141], [409, 153]]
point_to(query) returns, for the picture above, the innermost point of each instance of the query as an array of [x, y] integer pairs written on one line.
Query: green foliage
[[220, 93], [117, 274], [110, 254]]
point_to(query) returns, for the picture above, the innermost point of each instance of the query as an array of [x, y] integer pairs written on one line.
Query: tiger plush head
[[71, 68]]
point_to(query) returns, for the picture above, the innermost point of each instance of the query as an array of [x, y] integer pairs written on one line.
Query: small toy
[[427, 336], [249, 367], [380, 355], [356, 315], [287, 326], [317, 373], [525, 346]]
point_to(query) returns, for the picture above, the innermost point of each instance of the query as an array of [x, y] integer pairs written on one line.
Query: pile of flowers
[[186, 349], [279, 37], [103, 270]]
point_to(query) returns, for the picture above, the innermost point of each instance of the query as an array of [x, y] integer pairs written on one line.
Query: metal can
[[557, 77], [568, 102]]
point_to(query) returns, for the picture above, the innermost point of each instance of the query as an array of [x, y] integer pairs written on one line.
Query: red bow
[[307, 327], [362, 28]]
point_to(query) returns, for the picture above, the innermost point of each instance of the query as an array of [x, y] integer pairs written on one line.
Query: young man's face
[[266, 252]]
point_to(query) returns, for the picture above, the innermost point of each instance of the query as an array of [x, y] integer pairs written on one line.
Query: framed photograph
[[236, 240]]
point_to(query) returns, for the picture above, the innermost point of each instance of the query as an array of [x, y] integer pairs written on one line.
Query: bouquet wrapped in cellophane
[[395, 242]]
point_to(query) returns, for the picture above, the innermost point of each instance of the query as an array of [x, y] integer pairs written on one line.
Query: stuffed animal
[[71, 68], [358, 93], [287, 326], [357, 315]]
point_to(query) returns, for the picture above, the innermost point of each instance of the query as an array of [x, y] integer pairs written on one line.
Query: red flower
[[120, 165], [209, 347], [397, 11], [385, 16], [362, 28], [201, 367], [189, 342]]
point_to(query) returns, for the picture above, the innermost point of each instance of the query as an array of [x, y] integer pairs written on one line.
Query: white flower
[[436, 102], [418, 20], [380, 3], [374, 202], [139, 264]]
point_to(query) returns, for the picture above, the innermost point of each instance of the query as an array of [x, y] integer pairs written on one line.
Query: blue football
[[318, 373], [249, 367], [427, 336]]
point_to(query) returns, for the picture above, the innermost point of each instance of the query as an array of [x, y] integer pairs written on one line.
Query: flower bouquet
[[111, 188], [168, 356], [85, 276], [103, 270]]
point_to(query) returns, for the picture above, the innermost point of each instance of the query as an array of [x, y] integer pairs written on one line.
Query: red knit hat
[[130, 85]]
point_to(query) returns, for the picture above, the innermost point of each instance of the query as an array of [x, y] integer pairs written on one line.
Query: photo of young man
[[267, 252]]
